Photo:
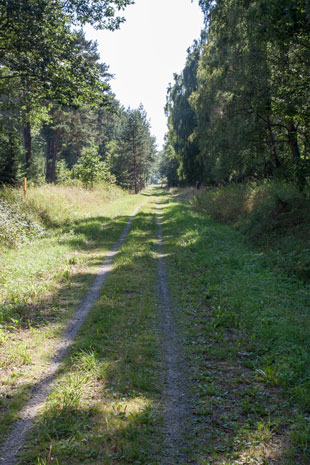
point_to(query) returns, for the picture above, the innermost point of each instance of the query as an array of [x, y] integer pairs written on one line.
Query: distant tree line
[[57, 112], [241, 107]]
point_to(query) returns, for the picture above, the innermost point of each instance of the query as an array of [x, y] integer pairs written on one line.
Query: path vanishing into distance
[[155, 365]]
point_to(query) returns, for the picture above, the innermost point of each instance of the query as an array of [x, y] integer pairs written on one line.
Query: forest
[[240, 109], [59, 120], [154, 305]]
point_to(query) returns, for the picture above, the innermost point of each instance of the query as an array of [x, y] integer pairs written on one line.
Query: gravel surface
[[177, 406]]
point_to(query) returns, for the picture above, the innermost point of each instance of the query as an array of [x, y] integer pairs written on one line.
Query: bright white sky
[[145, 52]]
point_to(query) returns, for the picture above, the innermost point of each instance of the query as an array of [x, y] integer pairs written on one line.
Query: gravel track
[[177, 407], [40, 391]]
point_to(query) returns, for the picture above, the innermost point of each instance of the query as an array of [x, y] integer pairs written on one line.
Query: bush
[[271, 207], [90, 167], [254, 207], [226, 204], [15, 227]]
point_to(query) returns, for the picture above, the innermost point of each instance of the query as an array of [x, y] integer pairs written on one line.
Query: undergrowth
[[44, 277], [105, 406], [24, 218], [15, 226], [274, 214]]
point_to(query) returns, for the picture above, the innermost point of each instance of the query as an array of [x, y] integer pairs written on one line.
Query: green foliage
[[106, 403], [168, 168], [132, 157], [90, 167], [11, 157], [240, 109], [42, 281], [45, 62], [246, 327], [99, 13], [273, 214], [182, 121], [63, 174], [15, 226], [56, 97], [25, 219]]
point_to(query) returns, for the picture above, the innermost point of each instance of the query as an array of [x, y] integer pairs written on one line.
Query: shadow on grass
[[91, 235], [114, 365], [83, 435], [15, 401], [233, 411], [117, 354], [243, 325]]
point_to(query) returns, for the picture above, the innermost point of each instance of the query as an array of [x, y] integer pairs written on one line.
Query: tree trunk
[[54, 159], [49, 146], [292, 141], [272, 146], [27, 144]]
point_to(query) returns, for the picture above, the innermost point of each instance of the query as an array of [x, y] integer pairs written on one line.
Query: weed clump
[[15, 227]]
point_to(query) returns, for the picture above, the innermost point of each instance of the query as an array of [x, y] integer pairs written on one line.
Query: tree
[[251, 103], [43, 60], [133, 156], [169, 164], [90, 167], [182, 119]]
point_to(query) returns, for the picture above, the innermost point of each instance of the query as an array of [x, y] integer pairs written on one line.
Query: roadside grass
[[42, 281], [247, 338], [51, 206], [106, 404], [273, 214]]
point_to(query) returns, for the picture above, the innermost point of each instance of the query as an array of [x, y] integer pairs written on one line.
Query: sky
[[146, 51]]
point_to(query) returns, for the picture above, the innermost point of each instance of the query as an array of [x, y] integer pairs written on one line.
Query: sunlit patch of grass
[[41, 284], [105, 407], [17, 354], [59, 205]]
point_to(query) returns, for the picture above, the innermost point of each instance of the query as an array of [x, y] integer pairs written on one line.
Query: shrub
[[254, 207], [91, 168], [15, 227], [226, 204]]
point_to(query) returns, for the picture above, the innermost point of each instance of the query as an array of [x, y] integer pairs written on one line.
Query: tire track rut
[[177, 406]]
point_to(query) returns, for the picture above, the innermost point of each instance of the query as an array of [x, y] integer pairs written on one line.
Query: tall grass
[[246, 328], [273, 213], [22, 218], [243, 204]]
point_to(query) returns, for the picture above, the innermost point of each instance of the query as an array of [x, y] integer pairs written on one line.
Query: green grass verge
[[41, 284], [247, 334], [273, 214], [106, 404]]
